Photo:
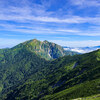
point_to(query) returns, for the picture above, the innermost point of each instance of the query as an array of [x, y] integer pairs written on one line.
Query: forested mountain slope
[[65, 78], [17, 65]]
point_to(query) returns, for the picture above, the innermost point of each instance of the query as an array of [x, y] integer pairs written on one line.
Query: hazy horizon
[[12, 43]]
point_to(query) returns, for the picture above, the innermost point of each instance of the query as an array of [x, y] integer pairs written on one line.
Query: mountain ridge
[[45, 49]]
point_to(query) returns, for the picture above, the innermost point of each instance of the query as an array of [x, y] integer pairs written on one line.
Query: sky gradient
[[72, 23]]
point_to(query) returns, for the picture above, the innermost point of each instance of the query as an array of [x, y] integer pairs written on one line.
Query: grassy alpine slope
[[32, 78]]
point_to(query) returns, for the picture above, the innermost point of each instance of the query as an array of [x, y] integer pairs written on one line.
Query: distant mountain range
[[81, 49]]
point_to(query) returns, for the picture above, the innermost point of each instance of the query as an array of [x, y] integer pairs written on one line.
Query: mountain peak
[[45, 49], [34, 40]]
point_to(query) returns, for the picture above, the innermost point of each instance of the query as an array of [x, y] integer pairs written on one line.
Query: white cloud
[[78, 50], [36, 30], [31, 29], [32, 18], [86, 3], [37, 12]]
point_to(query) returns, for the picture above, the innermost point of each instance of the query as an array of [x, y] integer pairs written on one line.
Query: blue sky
[[73, 23]]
